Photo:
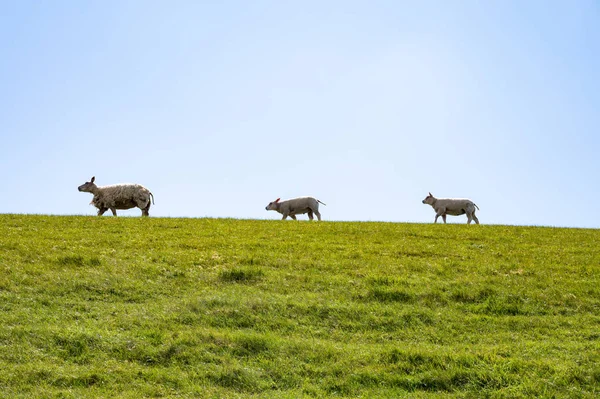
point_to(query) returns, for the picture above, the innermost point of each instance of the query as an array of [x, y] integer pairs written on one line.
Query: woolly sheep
[[296, 206], [452, 206], [118, 196]]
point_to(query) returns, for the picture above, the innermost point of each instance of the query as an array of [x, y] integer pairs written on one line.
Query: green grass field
[[103, 307]]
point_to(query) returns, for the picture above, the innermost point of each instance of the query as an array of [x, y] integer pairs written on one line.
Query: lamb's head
[[429, 200], [273, 205], [88, 186]]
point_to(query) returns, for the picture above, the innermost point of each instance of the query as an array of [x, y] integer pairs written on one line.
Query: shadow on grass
[[78, 260], [238, 275]]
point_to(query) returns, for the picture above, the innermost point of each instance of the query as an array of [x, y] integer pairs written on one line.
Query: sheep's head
[[429, 200], [88, 187], [273, 205]]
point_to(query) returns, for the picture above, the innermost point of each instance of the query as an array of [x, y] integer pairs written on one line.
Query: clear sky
[[219, 107]]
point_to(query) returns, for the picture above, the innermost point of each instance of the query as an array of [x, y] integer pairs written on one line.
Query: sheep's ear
[[93, 178], [277, 200], [430, 194]]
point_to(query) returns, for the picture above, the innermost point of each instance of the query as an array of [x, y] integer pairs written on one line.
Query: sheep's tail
[[322, 202], [152, 198], [476, 206]]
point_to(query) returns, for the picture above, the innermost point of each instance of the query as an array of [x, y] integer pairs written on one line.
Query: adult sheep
[[452, 206], [118, 196], [296, 206]]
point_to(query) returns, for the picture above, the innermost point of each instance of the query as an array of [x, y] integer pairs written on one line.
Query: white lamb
[[118, 196], [296, 206], [452, 206]]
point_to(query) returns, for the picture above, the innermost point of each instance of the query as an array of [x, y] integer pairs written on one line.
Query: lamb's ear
[[277, 200], [430, 194], [93, 178]]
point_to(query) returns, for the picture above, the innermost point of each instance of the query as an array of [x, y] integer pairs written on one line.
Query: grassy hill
[[219, 308]]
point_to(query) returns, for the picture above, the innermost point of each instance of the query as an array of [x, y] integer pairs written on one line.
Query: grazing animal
[[296, 206], [452, 206], [118, 196]]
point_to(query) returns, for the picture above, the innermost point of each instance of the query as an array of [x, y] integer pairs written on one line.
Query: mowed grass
[[219, 308]]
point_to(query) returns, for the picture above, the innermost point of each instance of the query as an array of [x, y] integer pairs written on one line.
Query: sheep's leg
[[284, 216], [101, 211], [144, 205], [469, 218], [114, 211], [475, 218], [318, 215], [293, 217], [438, 213], [310, 215]]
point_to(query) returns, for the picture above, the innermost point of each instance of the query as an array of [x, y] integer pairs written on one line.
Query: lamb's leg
[[284, 216], [293, 217], [318, 215], [469, 218], [114, 211], [475, 218], [146, 210], [444, 217], [101, 211], [310, 215]]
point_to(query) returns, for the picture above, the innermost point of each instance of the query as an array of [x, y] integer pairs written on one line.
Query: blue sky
[[221, 107]]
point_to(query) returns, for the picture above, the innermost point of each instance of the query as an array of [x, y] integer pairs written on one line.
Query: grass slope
[[130, 307]]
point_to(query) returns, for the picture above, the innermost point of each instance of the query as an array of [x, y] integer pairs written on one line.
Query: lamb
[[452, 206], [118, 196], [296, 206]]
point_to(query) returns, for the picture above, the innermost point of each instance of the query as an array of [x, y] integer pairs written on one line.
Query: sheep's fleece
[[118, 196]]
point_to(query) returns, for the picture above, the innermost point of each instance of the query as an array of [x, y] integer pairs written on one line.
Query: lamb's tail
[[152, 198], [476, 206], [322, 202]]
